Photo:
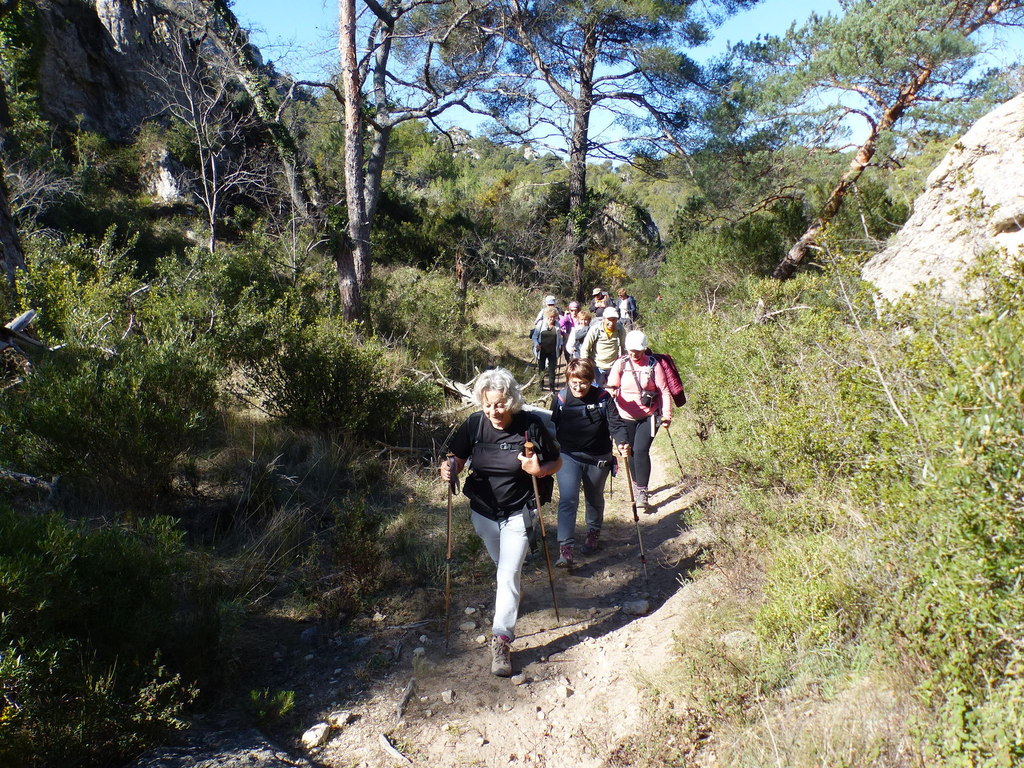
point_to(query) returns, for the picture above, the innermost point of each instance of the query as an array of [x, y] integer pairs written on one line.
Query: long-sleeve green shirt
[[602, 348]]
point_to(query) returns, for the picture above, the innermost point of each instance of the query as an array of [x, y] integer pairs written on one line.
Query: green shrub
[[902, 431], [419, 310], [270, 707], [812, 594], [89, 619], [112, 422], [129, 387], [321, 376]]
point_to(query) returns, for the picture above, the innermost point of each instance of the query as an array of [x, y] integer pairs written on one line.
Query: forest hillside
[[238, 315]]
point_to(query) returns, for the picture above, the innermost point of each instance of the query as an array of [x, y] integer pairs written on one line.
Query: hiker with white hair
[[501, 490]]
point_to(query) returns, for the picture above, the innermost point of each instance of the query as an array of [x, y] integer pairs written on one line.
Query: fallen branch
[[764, 317], [404, 701], [463, 391], [386, 745], [20, 477], [11, 334]]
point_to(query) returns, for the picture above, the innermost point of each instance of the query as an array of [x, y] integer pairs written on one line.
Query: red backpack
[[675, 384]]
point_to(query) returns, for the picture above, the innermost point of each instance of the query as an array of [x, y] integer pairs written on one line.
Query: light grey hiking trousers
[[507, 544]]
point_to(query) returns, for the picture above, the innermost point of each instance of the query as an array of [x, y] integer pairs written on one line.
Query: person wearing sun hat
[[598, 301], [605, 343], [549, 301], [642, 404]]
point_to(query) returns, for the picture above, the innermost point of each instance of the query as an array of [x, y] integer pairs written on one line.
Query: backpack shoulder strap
[[479, 428]]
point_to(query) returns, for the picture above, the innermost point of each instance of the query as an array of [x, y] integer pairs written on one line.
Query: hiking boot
[[643, 503], [564, 556], [590, 544], [501, 656]]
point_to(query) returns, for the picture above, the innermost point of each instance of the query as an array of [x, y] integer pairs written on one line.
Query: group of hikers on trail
[[558, 335], [617, 396]]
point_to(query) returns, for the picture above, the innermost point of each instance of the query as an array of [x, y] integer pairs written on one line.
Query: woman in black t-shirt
[[500, 490], [580, 415]]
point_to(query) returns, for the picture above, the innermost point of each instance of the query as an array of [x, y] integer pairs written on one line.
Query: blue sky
[[300, 35]]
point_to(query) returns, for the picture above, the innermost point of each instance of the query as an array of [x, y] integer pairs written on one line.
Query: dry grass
[[864, 723]]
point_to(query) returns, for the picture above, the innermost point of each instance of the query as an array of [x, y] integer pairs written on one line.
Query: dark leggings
[[548, 360], [640, 440]]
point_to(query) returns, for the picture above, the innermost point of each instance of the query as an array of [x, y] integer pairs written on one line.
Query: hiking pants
[[507, 544], [593, 478], [641, 436], [548, 360]]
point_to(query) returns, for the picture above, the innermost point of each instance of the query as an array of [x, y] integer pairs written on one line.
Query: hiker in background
[[627, 310], [598, 302], [580, 415], [642, 404], [549, 302], [568, 324], [579, 333], [501, 492], [547, 345], [604, 344]]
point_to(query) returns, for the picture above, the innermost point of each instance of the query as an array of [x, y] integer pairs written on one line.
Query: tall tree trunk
[[461, 284], [11, 255], [357, 255], [579, 144], [908, 95], [383, 122], [348, 286], [576, 225]]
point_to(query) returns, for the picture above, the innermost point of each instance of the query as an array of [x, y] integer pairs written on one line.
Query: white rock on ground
[[316, 736]]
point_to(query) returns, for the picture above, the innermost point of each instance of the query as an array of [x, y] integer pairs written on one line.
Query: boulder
[[972, 204]]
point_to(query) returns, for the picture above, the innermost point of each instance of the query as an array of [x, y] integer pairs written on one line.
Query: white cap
[[610, 312], [550, 300], [636, 340]]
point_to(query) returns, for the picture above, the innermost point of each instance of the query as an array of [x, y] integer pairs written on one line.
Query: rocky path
[[582, 694]]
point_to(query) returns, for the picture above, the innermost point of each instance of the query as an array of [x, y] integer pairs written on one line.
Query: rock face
[[973, 203], [95, 64], [99, 59]]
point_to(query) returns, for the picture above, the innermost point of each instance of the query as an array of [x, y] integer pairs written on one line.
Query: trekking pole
[[674, 451], [636, 517], [528, 450], [453, 488]]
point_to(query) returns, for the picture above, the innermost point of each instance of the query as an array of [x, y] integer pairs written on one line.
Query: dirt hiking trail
[[580, 693]]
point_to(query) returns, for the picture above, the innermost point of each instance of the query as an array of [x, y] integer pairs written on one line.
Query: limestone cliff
[[973, 203], [98, 59], [94, 66]]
